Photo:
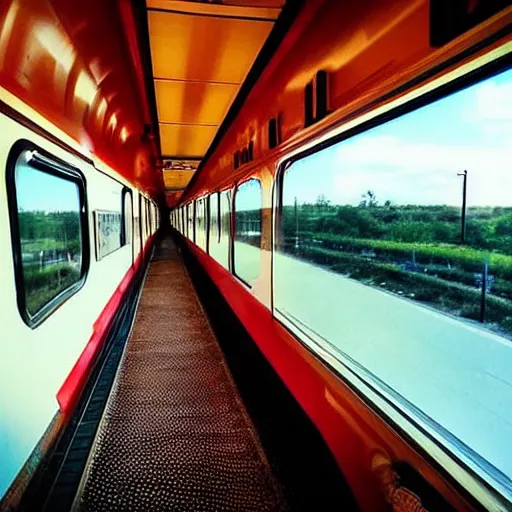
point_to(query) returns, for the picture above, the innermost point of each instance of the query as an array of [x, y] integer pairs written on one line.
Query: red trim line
[[70, 391]]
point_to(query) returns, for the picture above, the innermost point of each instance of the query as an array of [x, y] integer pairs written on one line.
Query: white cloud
[[494, 100], [421, 172]]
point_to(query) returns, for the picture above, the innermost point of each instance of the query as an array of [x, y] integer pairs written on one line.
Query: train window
[[214, 205], [190, 222], [215, 249], [201, 223], [185, 220], [394, 256], [247, 241], [136, 233], [220, 223], [49, 232], [142, 224], [126, 236], [148, 217]]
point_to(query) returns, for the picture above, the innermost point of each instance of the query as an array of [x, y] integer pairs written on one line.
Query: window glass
[[50, 233], [376, 262], [213, 239], [190, 221], [220, 222], [127, 211], [142, 219], [201, 223], [136, 232], [148, 217], [247, 244]]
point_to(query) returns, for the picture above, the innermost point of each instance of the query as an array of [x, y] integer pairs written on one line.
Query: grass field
[[42, 285], [442, 277]]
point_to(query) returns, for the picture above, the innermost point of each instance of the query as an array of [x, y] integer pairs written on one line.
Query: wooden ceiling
[[201, 53]]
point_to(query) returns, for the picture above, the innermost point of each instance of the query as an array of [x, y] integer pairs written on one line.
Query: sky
[[248, 196], [415, 159], [40, 191]]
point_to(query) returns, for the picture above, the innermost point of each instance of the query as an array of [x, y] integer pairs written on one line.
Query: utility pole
[[464, 175], [296, 212]]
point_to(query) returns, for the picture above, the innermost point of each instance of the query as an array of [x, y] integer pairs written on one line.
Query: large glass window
[[220, 227], [201, 223], [190, 221], [148, 217], [395, 255], [48, 234], [214, 209], [247, 243], [127, 217]]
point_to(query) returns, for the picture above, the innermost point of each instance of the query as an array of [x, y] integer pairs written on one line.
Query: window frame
[[45, 162], [416, 432], [233, 226]]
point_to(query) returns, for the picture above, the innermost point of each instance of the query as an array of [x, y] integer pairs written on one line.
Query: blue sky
[[248, 196], [415, 159], [37, 190]]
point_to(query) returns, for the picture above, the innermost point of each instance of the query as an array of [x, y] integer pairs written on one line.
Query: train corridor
[[174, 430]]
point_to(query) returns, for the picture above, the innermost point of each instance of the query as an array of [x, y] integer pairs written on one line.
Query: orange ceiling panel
[[186, 140], [177, 179], [218, 49], [262, 9], [193, 102], [201, 53]]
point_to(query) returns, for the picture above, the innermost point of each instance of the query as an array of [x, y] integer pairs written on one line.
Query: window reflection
[[248, 204], [49, 230]]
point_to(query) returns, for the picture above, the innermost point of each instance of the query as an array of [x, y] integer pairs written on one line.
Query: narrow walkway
[[175, 434]]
